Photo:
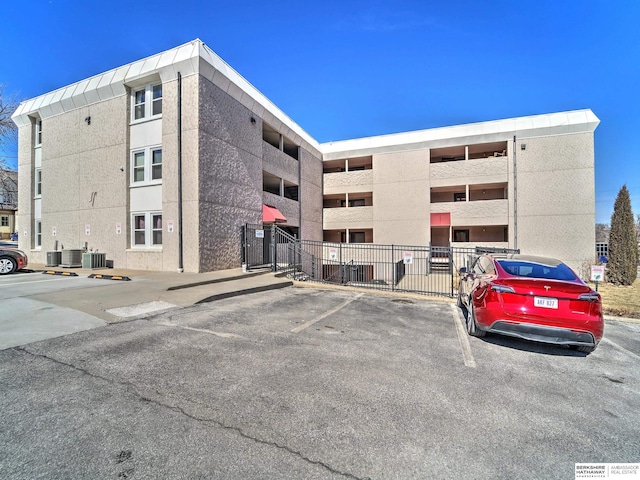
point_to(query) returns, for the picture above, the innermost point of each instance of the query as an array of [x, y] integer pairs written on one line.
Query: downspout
[[515, 198], [180, 252]]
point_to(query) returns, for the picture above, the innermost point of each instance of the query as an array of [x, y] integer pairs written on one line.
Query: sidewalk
[[149, 292]]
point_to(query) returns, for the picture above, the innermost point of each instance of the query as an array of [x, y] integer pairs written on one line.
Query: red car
[[12, 260], [534, 298]]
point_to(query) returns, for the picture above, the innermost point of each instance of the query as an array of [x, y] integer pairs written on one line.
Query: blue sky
[[346, 69]]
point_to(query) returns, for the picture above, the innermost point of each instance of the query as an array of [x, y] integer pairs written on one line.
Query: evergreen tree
[[623, 247]]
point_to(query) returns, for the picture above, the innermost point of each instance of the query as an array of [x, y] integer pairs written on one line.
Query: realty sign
[[597, 273]]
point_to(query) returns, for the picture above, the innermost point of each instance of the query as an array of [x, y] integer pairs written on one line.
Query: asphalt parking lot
[[310, 383]]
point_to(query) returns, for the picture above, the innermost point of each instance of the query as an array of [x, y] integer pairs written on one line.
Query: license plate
[[545, 302]]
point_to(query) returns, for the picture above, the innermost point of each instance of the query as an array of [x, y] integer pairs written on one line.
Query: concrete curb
[[109, 277], [217, 280], [246, 291]]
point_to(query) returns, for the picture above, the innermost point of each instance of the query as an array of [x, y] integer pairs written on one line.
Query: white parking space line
[[621, 348], [299, 328], [33, 281], [201, 330], [467, 356]]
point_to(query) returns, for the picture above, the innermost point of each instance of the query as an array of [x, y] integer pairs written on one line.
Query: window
[[146, 165], [4, 221], [147, 102], [156, 164], [459, 197], [38, 185], [38, 132], [356, 237], [38, 230], [358, 202], [461, 235], [156, 108], [138, 105], [146, 230]]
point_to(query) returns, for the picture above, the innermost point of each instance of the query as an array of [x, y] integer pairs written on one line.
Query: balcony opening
[[334, 201], [470, 152], [360, 235], [489, 191], [454, 193], [481, 234], [279, 141], [486, 150], [448, 154], [270, 183], [348, 165], [290, 191], [270, 135], [333, 166]]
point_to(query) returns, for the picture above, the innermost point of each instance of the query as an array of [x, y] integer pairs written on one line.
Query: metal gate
[[431, 270]]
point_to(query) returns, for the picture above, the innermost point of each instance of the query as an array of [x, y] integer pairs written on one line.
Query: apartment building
[[524, 183], [159, 164]]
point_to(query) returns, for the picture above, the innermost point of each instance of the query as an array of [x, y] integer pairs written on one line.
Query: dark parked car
[[11, 260], [534, 298]]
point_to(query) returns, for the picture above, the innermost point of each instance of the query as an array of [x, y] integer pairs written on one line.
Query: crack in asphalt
[[180, 410]]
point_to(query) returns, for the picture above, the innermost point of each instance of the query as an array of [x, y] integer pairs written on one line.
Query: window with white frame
[[38, 184], [146, 165], [146, 102], [146, 230], [38, 234], [4, 221], [38, 139]]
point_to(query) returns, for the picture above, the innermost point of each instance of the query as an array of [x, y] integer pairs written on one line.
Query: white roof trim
[[184, 59], [483, 132], [196, 57]]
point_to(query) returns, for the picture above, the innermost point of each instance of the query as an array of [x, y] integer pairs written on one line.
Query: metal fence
[[431, 270]]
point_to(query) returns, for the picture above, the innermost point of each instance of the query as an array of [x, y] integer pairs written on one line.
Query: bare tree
[[602, 233], [8, 105]]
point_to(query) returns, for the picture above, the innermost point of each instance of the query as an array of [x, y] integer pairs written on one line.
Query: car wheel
[[472, 326], [7, 265], [459, 301]]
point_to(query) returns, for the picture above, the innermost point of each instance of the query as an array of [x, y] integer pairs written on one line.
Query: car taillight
[[590, 297], [502, 289]]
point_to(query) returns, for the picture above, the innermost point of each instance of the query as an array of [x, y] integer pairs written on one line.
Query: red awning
[[272, 215], [440, 219]]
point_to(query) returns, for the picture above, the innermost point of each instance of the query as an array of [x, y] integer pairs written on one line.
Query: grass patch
[[620, 301]]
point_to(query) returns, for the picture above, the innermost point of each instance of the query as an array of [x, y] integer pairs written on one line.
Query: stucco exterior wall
[[310, 195], [556, 197], [82, 183], [401, 198], [230, 181]]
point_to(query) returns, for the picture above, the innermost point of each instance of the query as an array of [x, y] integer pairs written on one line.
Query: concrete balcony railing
[[462, 172], [481, 212], [279, 163], [347, 182], [348, 217]]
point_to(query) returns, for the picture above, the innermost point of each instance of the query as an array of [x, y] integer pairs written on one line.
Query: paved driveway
[[308, 383]]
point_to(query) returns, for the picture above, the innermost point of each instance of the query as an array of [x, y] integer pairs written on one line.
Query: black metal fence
[[431, 270]]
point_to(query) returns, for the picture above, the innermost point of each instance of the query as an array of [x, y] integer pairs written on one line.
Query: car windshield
[[537, 270]]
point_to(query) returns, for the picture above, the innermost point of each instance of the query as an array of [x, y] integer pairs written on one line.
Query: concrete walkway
[[150, 292]]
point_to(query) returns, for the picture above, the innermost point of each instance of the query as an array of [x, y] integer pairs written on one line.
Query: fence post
[[274, 248], [244, 260], [451, 267], [341, 266], [394, 269]]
